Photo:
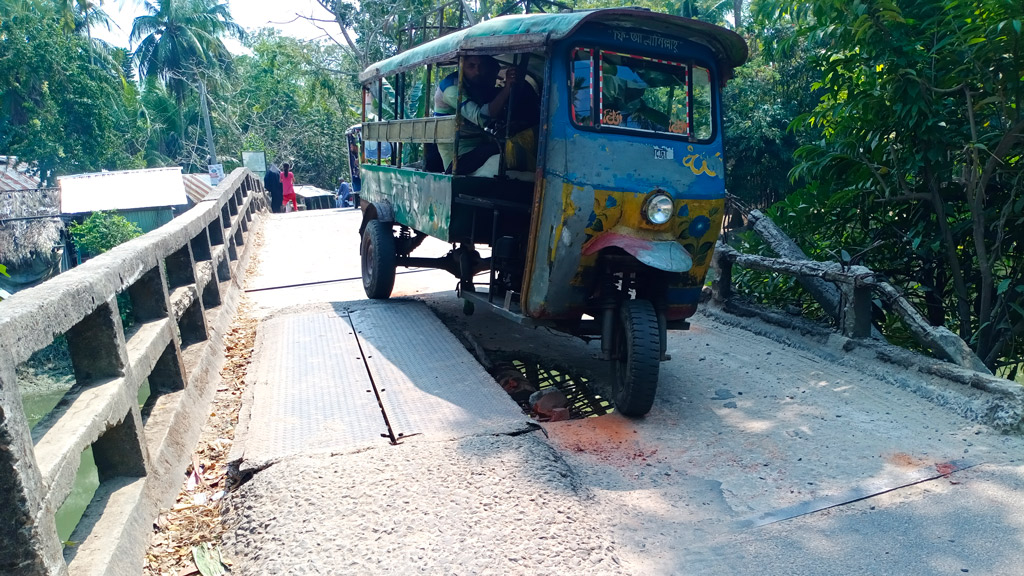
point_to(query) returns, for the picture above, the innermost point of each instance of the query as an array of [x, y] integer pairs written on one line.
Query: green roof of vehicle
[[529, 32]]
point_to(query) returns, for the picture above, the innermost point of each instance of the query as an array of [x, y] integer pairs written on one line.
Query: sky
[[250, 14]]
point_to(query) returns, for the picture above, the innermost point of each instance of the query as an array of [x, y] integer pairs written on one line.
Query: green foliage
[[179, 39], [3, 272], [179, 42], [166, 124], [60, 109], [760, 104], [918, 168], [101, 231], [254, 142], [293, 105], [385, 27], [719, 12]]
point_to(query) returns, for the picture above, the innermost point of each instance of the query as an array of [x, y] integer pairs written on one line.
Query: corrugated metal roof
[[197, 186], [307, 191], [123, 190], [14, 175]]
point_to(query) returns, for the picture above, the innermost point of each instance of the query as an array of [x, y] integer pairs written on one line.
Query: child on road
[[288, 183]]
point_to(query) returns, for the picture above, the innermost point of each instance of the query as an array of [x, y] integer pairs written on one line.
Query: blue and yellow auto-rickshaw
[[608, 231]]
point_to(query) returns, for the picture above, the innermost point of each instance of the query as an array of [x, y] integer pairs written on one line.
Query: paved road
[[758, 458]]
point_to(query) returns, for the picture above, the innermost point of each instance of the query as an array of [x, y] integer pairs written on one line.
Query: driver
[[483, 104]]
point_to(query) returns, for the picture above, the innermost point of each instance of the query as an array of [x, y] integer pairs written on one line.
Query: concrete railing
[[183, 281], [857, 286]]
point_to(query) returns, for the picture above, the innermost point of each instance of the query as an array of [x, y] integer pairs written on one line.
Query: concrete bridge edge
[[184, 433], [975, 396]]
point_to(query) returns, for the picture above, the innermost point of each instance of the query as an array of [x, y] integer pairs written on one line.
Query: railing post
[[855, 313], [97, 345], [721, 285], [25, 545]]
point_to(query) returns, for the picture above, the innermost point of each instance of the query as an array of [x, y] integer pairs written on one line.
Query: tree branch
[[905, 198], [962, 304]]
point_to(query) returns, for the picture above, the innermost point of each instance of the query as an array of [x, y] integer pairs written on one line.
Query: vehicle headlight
[[658, 208]]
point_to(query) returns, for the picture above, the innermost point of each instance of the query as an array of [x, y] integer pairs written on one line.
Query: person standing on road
[[288, 183], [344, 193], [272, 182]]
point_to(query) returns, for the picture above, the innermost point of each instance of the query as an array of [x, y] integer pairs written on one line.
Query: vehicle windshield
[[642, 94]]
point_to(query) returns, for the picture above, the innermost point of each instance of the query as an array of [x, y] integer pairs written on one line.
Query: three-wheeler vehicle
[[607, 230]]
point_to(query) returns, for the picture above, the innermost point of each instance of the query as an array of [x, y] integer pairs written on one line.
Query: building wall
[[149, 219]]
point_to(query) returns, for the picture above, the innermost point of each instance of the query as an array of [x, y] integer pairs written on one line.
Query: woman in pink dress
[[288, 183]]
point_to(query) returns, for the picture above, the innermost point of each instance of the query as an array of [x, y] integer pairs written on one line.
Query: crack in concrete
[[851, 496]]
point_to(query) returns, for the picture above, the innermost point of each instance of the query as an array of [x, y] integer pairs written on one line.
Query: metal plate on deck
[[428, 383], [311, 391]]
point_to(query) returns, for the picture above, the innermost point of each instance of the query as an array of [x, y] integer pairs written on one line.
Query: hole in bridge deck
[[545, 391]]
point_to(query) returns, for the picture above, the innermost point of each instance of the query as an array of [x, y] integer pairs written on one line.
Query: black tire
[[378, 260], [637, 347]]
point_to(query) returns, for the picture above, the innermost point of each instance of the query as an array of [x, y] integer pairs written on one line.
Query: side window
[[438, 107], [701, 96], [583, 86]]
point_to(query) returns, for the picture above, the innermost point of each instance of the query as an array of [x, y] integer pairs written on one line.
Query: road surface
[[761, 456]]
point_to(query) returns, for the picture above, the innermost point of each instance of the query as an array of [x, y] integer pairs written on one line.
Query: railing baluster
[[171, 275]]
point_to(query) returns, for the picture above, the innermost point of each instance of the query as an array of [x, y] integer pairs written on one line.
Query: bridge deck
[[752, 461]]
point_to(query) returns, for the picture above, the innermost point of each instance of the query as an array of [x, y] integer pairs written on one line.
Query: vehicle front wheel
[[637, 358], [378, 260]]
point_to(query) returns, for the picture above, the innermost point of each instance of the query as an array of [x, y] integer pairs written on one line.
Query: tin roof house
[[197, 186], [149, 198], [34, 244]]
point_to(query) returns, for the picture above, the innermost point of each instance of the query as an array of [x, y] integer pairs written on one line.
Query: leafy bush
[[102, 231]]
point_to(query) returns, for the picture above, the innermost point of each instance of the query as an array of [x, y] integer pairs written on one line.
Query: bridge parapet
[[857, 285], [182, 281]]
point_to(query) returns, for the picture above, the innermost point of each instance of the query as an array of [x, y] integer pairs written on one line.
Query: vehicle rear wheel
[[637, 359], [378, 260]]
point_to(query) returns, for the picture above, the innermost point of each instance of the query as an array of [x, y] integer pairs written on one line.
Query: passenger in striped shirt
[[483, 103]]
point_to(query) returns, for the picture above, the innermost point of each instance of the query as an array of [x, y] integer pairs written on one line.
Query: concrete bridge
[[377, 444], [179, 285]]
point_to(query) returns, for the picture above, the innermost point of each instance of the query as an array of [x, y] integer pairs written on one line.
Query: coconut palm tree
[[80, 15], [11, 8], [179, 41]]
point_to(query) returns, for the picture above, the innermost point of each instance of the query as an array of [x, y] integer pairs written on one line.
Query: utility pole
[[210, 146]]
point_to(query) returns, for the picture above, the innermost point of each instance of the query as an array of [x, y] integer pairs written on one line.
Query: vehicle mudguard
[[381, 210], [667, 255]]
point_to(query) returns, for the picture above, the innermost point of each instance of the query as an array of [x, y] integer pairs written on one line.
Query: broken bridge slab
[[344, 378]]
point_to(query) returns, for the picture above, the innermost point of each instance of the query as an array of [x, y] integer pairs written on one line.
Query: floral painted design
[[699, 226]]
